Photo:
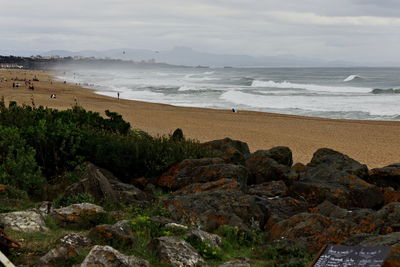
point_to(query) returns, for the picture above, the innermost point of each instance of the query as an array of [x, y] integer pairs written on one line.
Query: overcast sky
[[356, 30]]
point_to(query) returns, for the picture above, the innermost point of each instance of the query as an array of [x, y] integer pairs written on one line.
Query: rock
[[225, 185], [281, 154], [192, 171], [269, 189], [105, 256], [24, 221], [45, 208], [104, 186], [232, 151], [312, 231], [212, 239], [328, 209], [241, 262], [83, 214], [93, 182], [211, 209], [264, 169], [57, 255], [117, 235], [65, 250], [337, 178], [388, 176], [75, 240], [383, 221], [175, 251], [176, 227], [390, 195], [283, 208]]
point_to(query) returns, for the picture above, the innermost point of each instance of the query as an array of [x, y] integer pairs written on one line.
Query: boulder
[[83, 214], [312, 231], [281, 154], [269, 189], [225, 185], [105, 256], [232, 151], [264, 169], [388, 176], [211, 209], [283, 208], [118, 235], [241, 262], [383, 221], [212, 239], [175, 251], [57, 255], [390, 195], [339, 179], [75, 240], [191, 171], [24, 221], [104, 186], [65, 250]]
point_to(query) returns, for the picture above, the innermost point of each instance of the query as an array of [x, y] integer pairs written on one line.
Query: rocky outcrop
[[24, 221], [281, 154], [263, 169], [65, 250], [175, 251], [117, 235], [105, 256], [337, 178], [211, 209], [231, 151], [211, 239], [269, 189], [104, 186], [312, 231], [388, 176], [199, 171], [283, 208], [83, 214], [241, 262], [225, 185]]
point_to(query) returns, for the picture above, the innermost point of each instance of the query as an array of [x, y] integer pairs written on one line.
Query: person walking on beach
[[118, 94]]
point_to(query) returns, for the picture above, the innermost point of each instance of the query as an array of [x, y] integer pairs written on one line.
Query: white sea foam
[[353, 77], [310, 87]]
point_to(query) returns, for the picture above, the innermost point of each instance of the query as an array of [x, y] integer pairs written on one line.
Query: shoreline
[[371, 142]]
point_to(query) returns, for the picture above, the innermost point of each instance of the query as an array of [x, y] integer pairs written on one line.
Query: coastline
[[374, 143]]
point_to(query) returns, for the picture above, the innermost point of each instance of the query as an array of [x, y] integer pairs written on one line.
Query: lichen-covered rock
[[241, 262], [281, 154], [75, 240], [212, 239], [388, 176], [118, 235], [313, 231], [192, 171], [283, 208], [232, 151], [106, 256], [269, 189], [24, 221], [57, 255], [339, 179], [65, 250], [211, 209], [263, 169], [102, 185], [225, 185], [390, 195], [79, 214], [175, 251]]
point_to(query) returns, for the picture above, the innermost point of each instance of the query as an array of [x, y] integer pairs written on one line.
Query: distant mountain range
[[189, 57]]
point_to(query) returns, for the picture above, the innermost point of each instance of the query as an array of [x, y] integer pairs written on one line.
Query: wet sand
[[375, 143]]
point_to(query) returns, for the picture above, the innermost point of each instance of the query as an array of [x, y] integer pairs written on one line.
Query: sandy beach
[[375, 143]]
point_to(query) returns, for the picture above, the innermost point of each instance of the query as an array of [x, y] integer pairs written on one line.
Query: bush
[[65, 201], [17, 162]]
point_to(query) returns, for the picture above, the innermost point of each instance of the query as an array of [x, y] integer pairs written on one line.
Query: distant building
[[10, 66]]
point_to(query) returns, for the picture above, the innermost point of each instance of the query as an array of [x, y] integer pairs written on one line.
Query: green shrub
[[65, 201], [205, 249], [283, 255], [17, 162]]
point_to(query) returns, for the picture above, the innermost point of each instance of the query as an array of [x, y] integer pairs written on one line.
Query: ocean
[[343, 93]]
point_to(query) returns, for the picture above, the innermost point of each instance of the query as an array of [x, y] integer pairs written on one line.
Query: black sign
[[336, 255]]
